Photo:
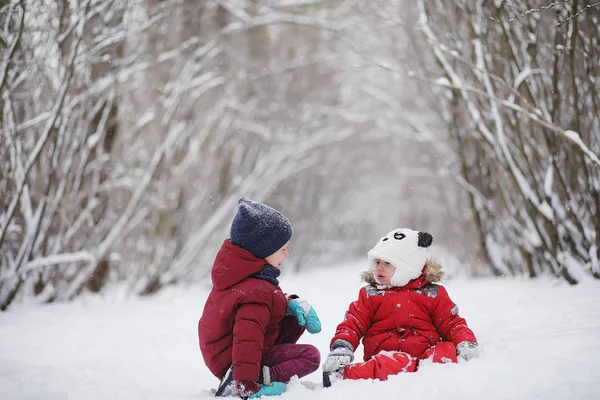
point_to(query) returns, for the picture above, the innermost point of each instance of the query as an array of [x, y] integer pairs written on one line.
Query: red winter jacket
[[243, 316], [410, 318]]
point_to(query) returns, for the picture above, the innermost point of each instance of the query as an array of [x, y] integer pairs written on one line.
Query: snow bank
[[539, 339]]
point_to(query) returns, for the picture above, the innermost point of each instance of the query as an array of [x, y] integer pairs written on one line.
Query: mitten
[[272, 389], [341, 354], [305, 315], [467, 350]]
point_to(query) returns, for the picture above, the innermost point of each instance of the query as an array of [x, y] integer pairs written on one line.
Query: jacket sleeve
[[251, 319], [356, 321], [444, 314]]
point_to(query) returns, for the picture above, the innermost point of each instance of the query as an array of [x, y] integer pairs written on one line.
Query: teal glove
[[305, 315], [272, 389]]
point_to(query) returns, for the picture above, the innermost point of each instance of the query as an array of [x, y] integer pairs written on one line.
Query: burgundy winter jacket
[[243, 316], [410, 318]]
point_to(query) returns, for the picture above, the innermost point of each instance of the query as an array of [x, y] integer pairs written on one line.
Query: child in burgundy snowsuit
[[249, 328], [402, 316]]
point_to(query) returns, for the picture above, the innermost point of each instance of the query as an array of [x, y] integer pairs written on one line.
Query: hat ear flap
[[425, 239]]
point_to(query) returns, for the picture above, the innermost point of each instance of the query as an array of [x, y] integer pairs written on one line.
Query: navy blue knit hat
[[259, 228]]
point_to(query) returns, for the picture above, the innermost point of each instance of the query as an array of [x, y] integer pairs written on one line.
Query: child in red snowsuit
[[402, 316], [249, 328]]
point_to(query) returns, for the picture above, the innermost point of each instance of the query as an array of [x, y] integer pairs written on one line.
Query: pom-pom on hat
[[259, 228], [406, 250]]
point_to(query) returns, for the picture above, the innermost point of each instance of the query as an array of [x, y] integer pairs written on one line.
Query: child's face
[[384, 271], [277, 258]]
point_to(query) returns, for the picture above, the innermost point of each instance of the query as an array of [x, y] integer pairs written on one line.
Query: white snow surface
[[539, 340]]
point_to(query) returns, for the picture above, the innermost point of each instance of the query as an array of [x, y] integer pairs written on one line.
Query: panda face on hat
[[406, 250]]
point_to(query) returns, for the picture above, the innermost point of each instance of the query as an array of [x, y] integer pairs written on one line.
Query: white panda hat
[[406, 250]]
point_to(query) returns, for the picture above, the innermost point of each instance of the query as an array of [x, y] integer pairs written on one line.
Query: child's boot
[[227, 386]]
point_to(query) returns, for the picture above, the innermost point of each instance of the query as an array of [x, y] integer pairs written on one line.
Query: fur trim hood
[[432, 272]]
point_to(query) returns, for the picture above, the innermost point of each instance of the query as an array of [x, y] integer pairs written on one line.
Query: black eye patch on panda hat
[[425, 239], [399, 236]]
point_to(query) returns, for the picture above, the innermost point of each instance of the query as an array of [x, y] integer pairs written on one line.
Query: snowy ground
[[540, 340]]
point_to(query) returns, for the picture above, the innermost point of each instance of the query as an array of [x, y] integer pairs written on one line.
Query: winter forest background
[[129, 129]]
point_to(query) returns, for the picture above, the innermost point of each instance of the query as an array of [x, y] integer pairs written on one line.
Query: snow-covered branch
[[533, 152]]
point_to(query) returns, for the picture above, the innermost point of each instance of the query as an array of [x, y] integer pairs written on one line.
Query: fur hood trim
[[432, 272]]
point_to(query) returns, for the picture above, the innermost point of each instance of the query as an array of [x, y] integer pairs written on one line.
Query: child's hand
[[272, 389], [467, 350], [305, 314], [342, 354]]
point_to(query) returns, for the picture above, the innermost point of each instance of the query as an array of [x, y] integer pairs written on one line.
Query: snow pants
[[384, 364], [286, 358]]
